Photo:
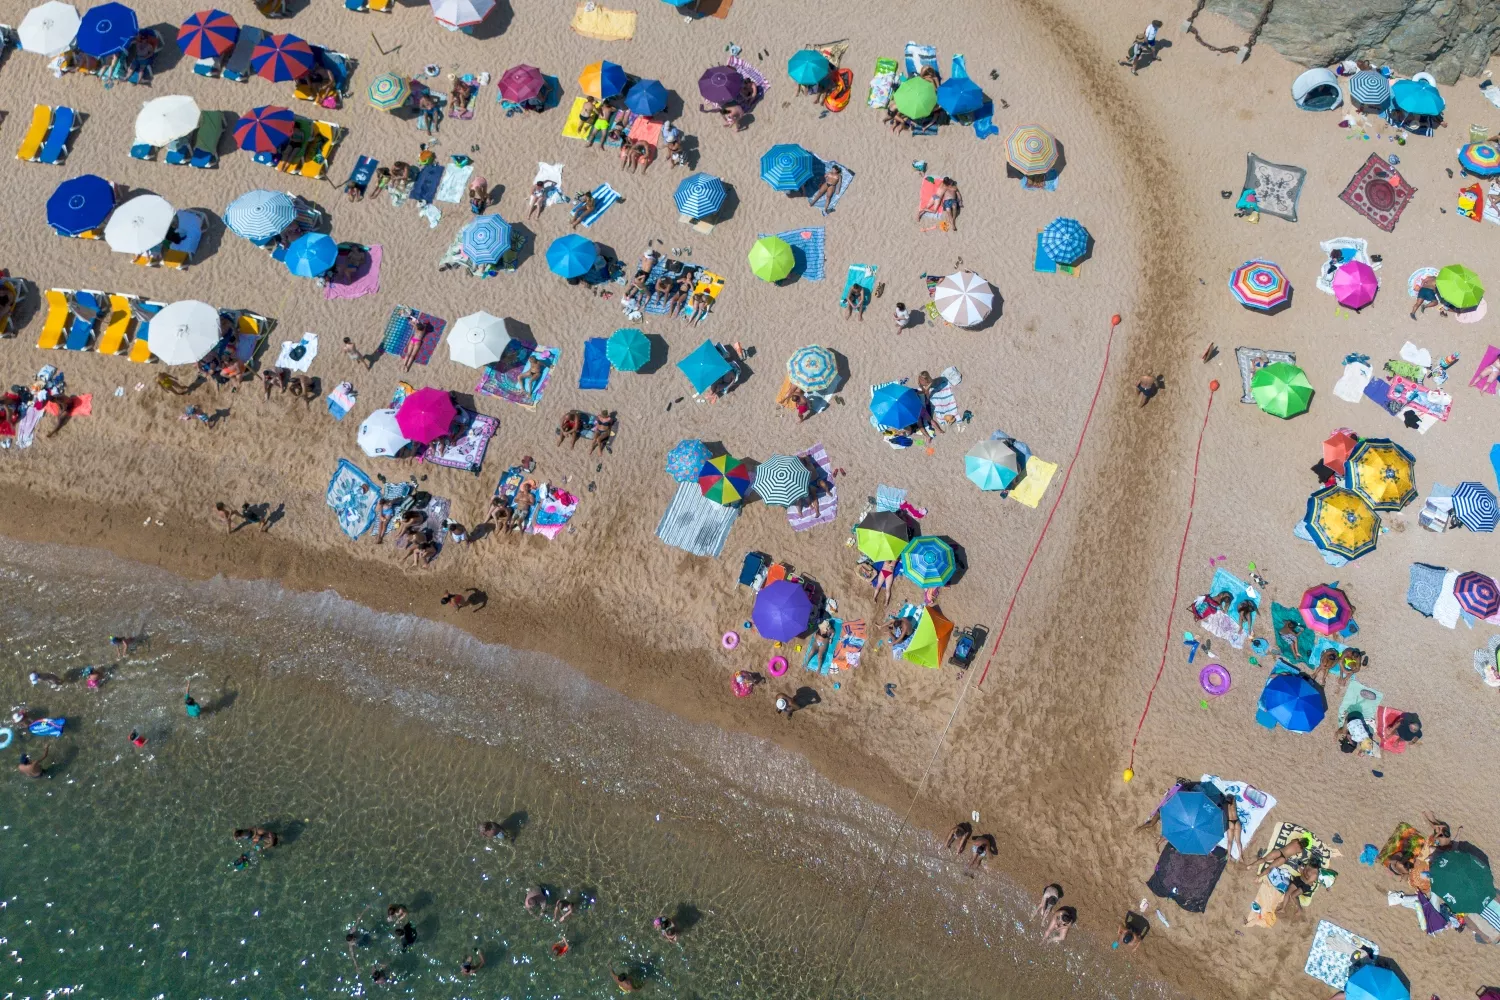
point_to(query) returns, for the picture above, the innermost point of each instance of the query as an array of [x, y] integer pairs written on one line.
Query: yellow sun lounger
[[36, 133], [57, 319], [117, 330], [330, 134]]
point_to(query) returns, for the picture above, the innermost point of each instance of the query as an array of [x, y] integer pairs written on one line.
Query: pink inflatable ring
[[776, 666], [731, 640], [1214, 679]]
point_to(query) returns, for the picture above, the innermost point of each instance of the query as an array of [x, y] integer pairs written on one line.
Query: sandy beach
[[1039, 748]]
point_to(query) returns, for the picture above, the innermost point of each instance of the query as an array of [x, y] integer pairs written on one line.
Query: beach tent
[[930, 640], [704, 366], [686, 459], [1375, 982], [1417, 97], [478, 339], [1192, 822], [426, 415], [1342, 522], [781, 611], [781, 481], [183, 332], [49, 29], [1383, 472], [1463, 879], [1317, 90], [628, 349], [1369, 89], [379, 435], [139, 225], [1294, 702], [166, 118], [882, 535]]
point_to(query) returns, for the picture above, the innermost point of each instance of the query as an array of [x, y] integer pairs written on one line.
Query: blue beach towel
[[919, 56], [1049, 182], [846, 178], [859, 274], [604, 196], [595, 364], [353, 496], [807, 250], [889, 498], [824, 663], [425, 188], [1043, 262]]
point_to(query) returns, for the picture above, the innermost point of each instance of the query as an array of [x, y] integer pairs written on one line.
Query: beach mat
[[503, 379], [596, 365], [398, 331], [1491, 355], [828, 504], [1331, 957], [859, 274], [1038, 477], [366, 281], [454, 186], [1277, 186], [604, 196], [1378, 192], [1187, 879], [593, 20], [808, 252], [573, 127], [1251, 804], [883, 82], [467, 452], [696, 524], [353, 495], [1252, 359]]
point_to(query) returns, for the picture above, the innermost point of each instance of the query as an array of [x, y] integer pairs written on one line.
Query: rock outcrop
[[1447, 38]]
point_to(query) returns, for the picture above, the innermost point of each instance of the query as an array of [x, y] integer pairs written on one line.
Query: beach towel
[[929, 190], [1187, 879], [1282, 834], [1331, 957], [846, 178], [828, 503], [807, 252], [1357, 696], [596, 365], [1352, 250], [604, 196], [398, 330], [919, 57], [1226, 625], [1252, 359], [466, 112], [573, 127], [824, 664], [883, 82], [944, 404], [1378, 192], [709, 284], [26, 426], [1298, 648], [1277, 186], [1483, 379], [503, 379], [755, 76], [341, 400], [364, 172], [1251, 804], [425, 187], [594, 20], [1034, 484], [454, 187], [889, 498], [470, 443], [1424, 399], [237, 66], [859, 274], [696, 524], [1425, 587], [366, 279], [851, 646], [553, 509], [1351, 385], [437, 512], [1042, 261], [353, 496], [647, 130], [309, 345]]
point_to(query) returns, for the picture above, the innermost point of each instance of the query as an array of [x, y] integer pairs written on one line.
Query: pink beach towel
[[828, 504], [1487, 375], [647, 131], [366, 282]]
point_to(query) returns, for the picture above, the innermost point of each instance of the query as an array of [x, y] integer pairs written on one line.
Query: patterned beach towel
[[807, 252], [696, 524], [503, 379], [604, 196], [467, 452], [353, 497], [366, 280], [1252, 360], [554, 509], [1331, 956], [398, 331], [828, 504], [1378, 192], [1277, 186], [883, 82]]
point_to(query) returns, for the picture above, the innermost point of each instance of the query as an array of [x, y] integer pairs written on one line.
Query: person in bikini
[[983, 845], [958, 837], [1063, 919], [1302, 884], [604, 430], [1295, 852], [570, 429], [1050, 895], [830, 186], [680, 293]]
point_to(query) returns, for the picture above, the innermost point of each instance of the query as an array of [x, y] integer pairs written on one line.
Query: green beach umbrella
[[928, 561], [1282, 390], [916, 97], [882, 535], [771, 258], [628, 350], [1464, 881], [929, 640], [1459, 287]]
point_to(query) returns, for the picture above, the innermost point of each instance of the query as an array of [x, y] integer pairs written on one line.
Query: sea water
[[375, 744]]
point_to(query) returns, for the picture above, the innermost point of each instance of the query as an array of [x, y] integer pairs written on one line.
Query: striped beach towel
[[889, 498], [696, 524], [807, 250], [604, 196], [749, 72], [398, 330], [828, 504], [847, 178]]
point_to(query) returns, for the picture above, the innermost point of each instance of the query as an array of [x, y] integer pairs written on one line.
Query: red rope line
[[1114, 323], [1177, 579]]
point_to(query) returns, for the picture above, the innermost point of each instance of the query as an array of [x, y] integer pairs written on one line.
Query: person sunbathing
[[822, 636], [859, 298], [679, 296], [604, 430], [499, 511], [900, 629], [1245, 610], [427, 113], [347, 264], [319, 82], [830, 186], [895, 120], [538, 200], [645, 155], [583, 209], [930, 74], [461, 93], [520, 512], [1301, 885], [629, 152], [1296, 852], [531, 377], [945, 200], [702, 304], [570, 428], [422, 553], [1442, 833]]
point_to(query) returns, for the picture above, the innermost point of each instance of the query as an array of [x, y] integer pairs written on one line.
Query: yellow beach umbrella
[[1342, 522], [1383, 472], [930, 640]]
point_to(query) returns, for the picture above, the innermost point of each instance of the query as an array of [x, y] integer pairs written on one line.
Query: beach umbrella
[[882, 535], [929, 640], [1281, 389], [455, 14], [259, 215], [80, 204], [279, 58], [725, 479], [1260, 284], [311, 255], [265, 130], [781, 481], [786, 166], [646, 97], [928, 561], [426, 415], [1482, 159], [1031, 149], [477, 340], [628, 349], [1459, 287], [1336, 450], [916, 97], [679, 3], [813, 368], [1355, 284], [964, 298], [1192, 822], [208, 34], [896, 405], [699, 195], [1326, 609], [960, 96], [1464, 880], [602, 79], [387, 91], [704, 366], [720, 84], [522, 83], [1342, 522], [993, 465], [1477, 593], [106, 29], [166, 118], [183, 332], [380, 435], [49, 29], [571, 256], [808, 67], [1369, 87], [771, 258], [686, 459], [1417, 97], [1065, 240], [781, 611], [1383, 472], [139, 225], [1375, 982], [1475, 507], [1293, 701], [485, 240]]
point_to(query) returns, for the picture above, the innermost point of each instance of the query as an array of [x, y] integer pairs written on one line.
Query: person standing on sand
[[1148, 387], [358, 356], [225, 515], [960, 835], [903, 317], [786, 705]]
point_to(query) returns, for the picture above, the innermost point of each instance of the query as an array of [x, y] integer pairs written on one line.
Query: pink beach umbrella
[[522, 83], [426, 415], [1355, 284]]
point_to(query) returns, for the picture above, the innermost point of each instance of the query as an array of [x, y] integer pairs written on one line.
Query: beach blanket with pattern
[[1251, 805], [674, 269], [1187, 879], [1378, 192], [353, 495], [503, 379], [553, 510], [1331, 957], [808, 252], [1251, 360], [883, 82], [467, 451], [851, 646], [1226, 624], [828, 503], [1274, 883], [1277, 186], [366, 280], [398, 331]]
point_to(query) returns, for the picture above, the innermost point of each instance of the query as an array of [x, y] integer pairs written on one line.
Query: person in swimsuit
[[34, 768], [396, 914], [1148, 386], [570, 429], [625, 981], [1295, 852], [958, 837], [898, 629], [536, 899], [1442, 833], [604, 429], [1302, 884], [859, 299], [667, 926], [1063, 919], [494, 830], [832, 177], [680, 293], [1050, 895], [822, 636], [582, 210], [983, 845], [1132, 932], [469, 966], [1427, 296], [947, 200], [563, 910]]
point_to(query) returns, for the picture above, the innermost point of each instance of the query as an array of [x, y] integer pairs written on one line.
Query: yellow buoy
[[1129, 774]]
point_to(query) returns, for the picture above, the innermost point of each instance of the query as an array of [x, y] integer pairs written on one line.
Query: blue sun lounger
[[64, 119], [81, 333]]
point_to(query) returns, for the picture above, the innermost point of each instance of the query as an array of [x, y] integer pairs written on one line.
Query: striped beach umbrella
[[699, 195], [265, 130], [311, 255], [725, 479], [786, 166], [1477, 593], [1326, 609], [602, 79], [813, 368], [720, 84], [916, 97], [1260, 284], [628, 349], [48, 29], [964, 298], [571, 256], [928, 561], [1065, 240], [993, 465], [281, 57], [1475, 507], [522, 83], [1459, 287], [106, 29], [1342, 522], [1031, 149], [80, 203], [1482, 159], [781, 480], [808, 67], [485, 240], [387, 91], [455, 14], [1383, 472], [771, 258], [960, 96], [686, 458], [208, 34], [1282, 390], [260, 215], [1368, 87], [646, 97]]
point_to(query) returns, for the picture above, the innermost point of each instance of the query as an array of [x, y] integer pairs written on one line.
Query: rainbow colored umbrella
[[1326, 609], [916, 97], [813, 368], [1459, 287], [1260, 284], [387, 91], [1342, 522], [1477, 593], [522, 83], [265, 130], [720, 84], [928, 561], [602, 79], [686, 458], [1031, 149], [1355, 284], [725, 479], [1482, 159], [771, 258], [1383, 472], [208, 34], [426, 415], [281, 57], [808, 67]]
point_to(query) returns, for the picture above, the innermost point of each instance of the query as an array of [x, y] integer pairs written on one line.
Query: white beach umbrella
[[48, 30], [964, 298], [184, 331], [455, 14], [165, 119], [139, 224], [379, 435], [478, 340]]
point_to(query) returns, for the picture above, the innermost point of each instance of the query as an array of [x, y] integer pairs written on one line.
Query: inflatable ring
[[1214, 679], [776, 666], [5, 737], [731, 639]]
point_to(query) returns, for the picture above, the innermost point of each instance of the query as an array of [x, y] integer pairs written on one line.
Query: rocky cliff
[[1447, 38]]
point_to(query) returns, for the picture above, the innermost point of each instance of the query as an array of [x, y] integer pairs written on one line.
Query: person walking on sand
[[903, 317], [786, 705], [456, 600], [1137, 55], [1148, 386], [358, 356], [226, 515]]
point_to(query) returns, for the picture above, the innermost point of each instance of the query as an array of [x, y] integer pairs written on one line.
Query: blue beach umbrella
[[896, 405], [993, 465], [808, 67], [699, 195], [960, 96], [485, 239], [106, 29], [787, 166], [571, 256], [80, 204], [928, 561], [629, 351], [1475, 507], [1368, 87], [781, 611], [1192, 822], [311, 255], [686, 458], [1065, 240], [678, 3], [647, 97], [1293, 701], [260, 215], [1417, 97], [1374, 982], [704, 366]]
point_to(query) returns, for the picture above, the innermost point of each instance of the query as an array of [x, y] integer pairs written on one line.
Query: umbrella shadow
[[528, 243], [494, 23], [996, 311], [731, 202], [213, 235], [675, 108], [170, 53], [658, 357], [960, 561]]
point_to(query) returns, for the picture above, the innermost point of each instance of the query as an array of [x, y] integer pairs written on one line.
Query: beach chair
[[206, 67], [205, 154], [382, 6], [36, 133], [178, 153], [251, 333], [57, 318], [142, 150], [318, 165], [140, 349], [17, 288], [81, 332], [117, 329], [272, 8]]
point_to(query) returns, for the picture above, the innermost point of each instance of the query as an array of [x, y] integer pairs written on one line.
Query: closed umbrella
[[1368, 87], [646, 97], [960, 96], [699, 195], [1260, 284], [1031, 149], [571, 256], [1477, 593], [787, 167], [106, 29], [808, 67], [387, 91], [455, 14], [1464, 880], [208, 34], [485, 240], [628, 350], [1281, 389], [781, 611], [522, 83], [1482, 159], [1326, 609], [1383, 472], [1192, 822], [964, 298], [166, 118], [771, 258], [916, 97], [928, 640], [80, 204], [993, 465], [686, 459], [1417, 97], [49, 29], [139, 225], [380, 435], [602, 79], [1342, 522], [882, 535], [477, 340], [1475, 507], [311, 255], [184, 332], [781, 481], [1065, 240], [260, 215], [704, 366], [725, 479], [813, 368], [928, 561], [1459, 287], [279, 58], [1375, 982], [265, 129], [426, 415], [897, 406], [720, 84], [1355, 284], [1294, 702]]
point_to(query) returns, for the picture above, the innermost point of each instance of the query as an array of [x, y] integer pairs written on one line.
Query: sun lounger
[[206, 140], [57, 318], [36, 133], [81, 332], [64, 120], [237, 66], [604, 196], [117, 329], [140, 350], [206, 67], [330, 135], [142, 150], [179, 152]]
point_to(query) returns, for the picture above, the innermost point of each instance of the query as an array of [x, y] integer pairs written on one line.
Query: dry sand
[[1039, 749]]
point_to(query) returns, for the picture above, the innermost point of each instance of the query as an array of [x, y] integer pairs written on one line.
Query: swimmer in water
[[667, 926], [408, 935], [396, 914], [469, 966], [380, 974], [136, 739], [563, 910], [241, 863], [625, 981], [536, 898], [492, 829], [33, 768]]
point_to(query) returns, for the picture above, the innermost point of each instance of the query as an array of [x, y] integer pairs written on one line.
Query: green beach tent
[[929, 641], [1282, 390]]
